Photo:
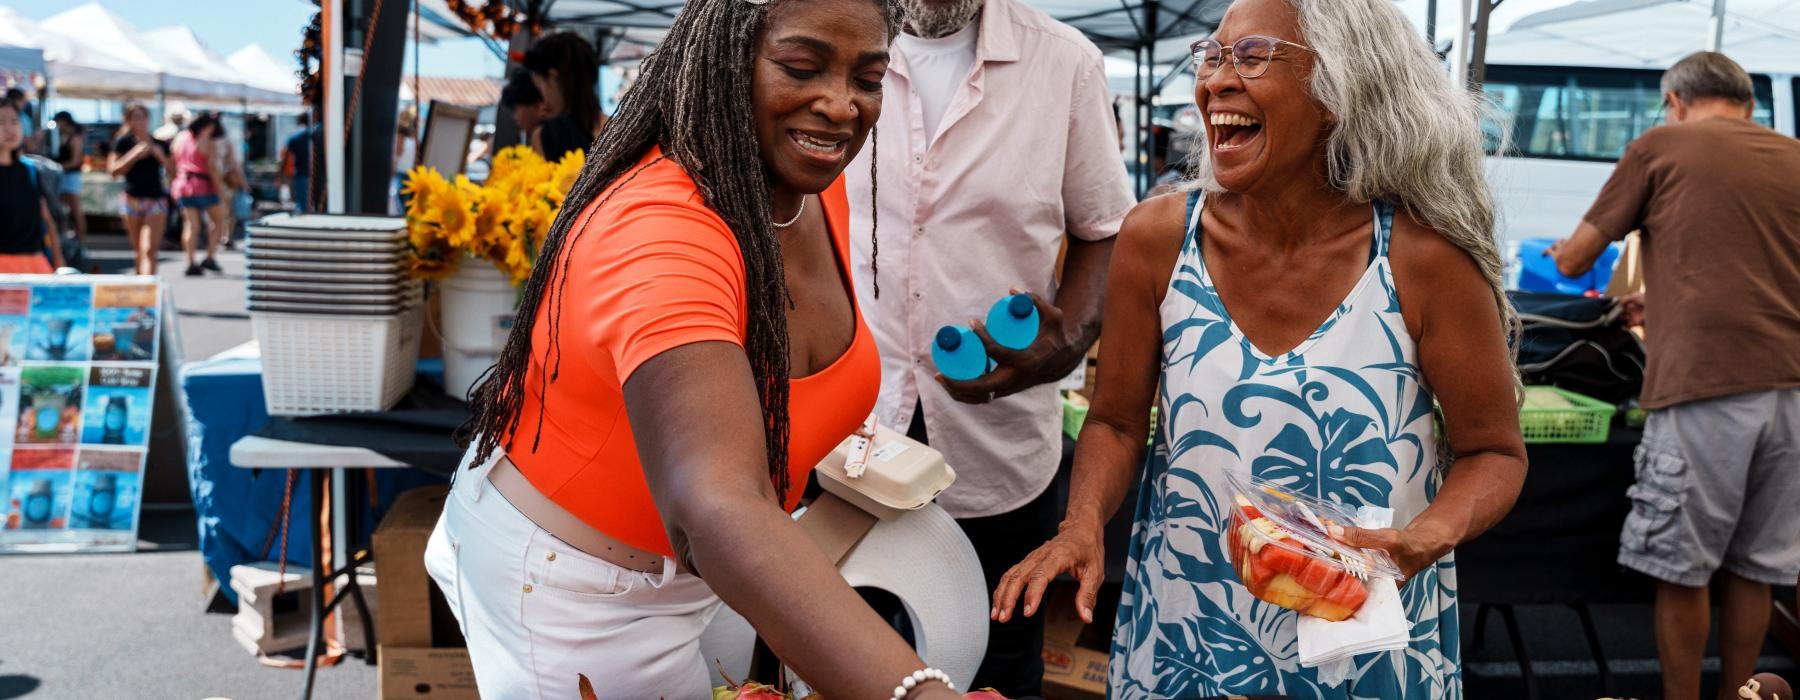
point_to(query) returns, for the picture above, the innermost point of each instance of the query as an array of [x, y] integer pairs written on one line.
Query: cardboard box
[[423, 673], [421, 647], [1073, 668], [403, 617], [1073, 673]]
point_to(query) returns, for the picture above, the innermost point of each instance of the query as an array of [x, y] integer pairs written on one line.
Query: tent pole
[[331, 81], [1431, 23], [1152, 8], [1715, 37], [1459, 68], [1139, 112], [1478, 61]]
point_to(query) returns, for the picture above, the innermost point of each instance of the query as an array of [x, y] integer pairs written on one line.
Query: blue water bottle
[[1013, 322], [959, 354]]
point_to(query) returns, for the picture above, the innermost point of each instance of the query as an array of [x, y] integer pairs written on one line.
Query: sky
[[228, 25]]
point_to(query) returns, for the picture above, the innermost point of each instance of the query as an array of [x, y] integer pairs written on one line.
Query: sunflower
[[503, 220]]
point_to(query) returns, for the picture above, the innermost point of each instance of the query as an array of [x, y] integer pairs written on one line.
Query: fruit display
[[1280, 547]]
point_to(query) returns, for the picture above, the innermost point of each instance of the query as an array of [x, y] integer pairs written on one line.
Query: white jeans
[[537, 612]]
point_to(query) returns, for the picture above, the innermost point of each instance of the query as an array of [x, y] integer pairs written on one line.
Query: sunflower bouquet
[[503, 220]]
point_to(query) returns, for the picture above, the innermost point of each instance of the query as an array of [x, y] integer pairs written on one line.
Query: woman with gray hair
[[1329, 273]]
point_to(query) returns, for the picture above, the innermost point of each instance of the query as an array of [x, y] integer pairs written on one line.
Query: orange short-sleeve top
[[654, 269]]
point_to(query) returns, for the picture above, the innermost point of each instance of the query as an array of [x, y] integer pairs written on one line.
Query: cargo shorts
[[1718, 485]]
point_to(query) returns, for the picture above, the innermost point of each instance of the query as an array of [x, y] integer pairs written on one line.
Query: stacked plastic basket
[[334, 311]]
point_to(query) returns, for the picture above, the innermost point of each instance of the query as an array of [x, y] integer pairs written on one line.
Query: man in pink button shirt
[[997, 146]]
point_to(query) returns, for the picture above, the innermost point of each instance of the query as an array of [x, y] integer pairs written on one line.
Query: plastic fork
[[1354, 563]]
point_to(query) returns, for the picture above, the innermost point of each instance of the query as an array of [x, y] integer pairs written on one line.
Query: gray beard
[[935, 20]]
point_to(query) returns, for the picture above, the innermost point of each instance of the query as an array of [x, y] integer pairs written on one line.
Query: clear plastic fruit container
[[1280, 547]]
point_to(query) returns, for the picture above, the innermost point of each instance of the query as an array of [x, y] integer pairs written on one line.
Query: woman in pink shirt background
[[196, 189]]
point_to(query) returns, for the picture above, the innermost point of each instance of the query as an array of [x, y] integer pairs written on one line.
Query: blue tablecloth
[[237, 510]]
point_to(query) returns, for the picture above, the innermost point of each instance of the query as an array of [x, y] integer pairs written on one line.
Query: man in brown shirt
[[1717, 198]]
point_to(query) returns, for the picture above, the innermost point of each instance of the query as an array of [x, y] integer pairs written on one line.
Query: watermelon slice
[[1280, 559], [1318, 575], [1273, 567], [1350, 593]]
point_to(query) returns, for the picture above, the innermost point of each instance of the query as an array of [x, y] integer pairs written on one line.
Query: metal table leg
[[354, 496], [315, 634], [326, 569], [1481, 617], [1593, 640], [1518, 645]]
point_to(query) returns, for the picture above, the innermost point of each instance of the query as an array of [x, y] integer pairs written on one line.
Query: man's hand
[[1050, 358], [1634, 309]]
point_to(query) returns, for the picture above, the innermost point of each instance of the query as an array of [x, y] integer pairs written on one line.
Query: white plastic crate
[[320, 363]]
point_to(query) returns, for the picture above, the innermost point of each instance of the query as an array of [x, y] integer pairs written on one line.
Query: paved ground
[[132, 626]]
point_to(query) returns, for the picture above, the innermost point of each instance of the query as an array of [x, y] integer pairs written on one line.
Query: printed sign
[[77, 387]]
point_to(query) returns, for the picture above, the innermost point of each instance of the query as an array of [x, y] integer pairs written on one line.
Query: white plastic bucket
[[478, 307]]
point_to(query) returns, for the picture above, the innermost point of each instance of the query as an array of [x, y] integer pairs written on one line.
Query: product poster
[[50, 404], [125, 323], [62, 322], [78, 361], [106, 489], [38, 492], [118, 406]]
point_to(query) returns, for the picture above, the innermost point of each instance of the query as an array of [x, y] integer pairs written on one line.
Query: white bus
[[1564, 127]]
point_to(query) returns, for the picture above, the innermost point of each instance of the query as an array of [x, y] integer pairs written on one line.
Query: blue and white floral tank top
[[1345, 416]]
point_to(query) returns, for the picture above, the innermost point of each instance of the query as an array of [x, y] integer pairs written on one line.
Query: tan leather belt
[[564, 526]]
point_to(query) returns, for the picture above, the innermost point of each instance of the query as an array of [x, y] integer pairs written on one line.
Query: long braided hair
[[692, 98]]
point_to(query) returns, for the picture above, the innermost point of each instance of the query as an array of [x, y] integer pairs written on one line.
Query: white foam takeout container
[[901, 475]]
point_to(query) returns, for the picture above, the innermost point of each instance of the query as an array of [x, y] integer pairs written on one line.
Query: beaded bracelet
[[920, 676]]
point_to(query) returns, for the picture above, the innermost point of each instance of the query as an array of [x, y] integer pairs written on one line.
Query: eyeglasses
[[1250, 56]]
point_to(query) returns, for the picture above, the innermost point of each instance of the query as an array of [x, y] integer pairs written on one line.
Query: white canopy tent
[[1762, 35], [20, 56], [72, 62], [104, 58], [92, 53], [18, 31], [262, 72], [182, 54]]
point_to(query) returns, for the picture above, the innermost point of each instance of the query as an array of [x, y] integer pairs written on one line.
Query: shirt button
[[527, 588], [918, 159]]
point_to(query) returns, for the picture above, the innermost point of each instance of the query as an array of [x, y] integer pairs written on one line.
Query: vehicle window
[[1580, 113]]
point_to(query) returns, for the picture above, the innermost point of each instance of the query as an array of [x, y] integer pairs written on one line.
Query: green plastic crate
[[1584, 421], [1075, 416]]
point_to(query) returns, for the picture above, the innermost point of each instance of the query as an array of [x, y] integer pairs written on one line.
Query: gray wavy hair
[[1404, 133]]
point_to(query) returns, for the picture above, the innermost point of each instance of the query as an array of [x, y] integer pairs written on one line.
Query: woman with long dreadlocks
[[688, 348]]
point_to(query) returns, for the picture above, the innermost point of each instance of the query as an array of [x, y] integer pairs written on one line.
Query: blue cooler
[[1536, 272]]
